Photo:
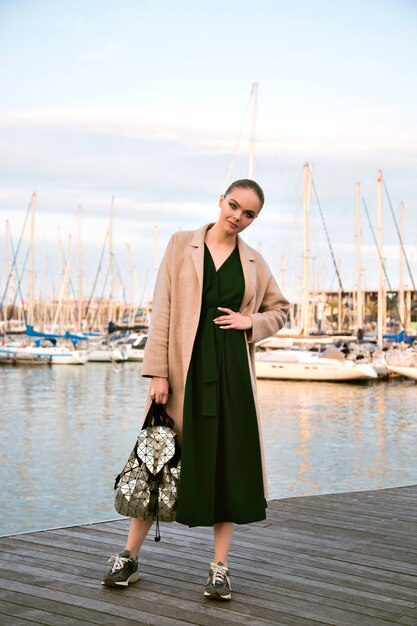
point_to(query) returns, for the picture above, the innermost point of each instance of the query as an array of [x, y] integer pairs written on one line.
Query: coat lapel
[[247, 259], [197, 252]]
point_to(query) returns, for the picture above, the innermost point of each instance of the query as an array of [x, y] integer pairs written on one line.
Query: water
[[66, 431]]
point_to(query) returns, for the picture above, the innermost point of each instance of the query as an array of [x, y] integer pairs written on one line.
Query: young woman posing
[[214, 298]]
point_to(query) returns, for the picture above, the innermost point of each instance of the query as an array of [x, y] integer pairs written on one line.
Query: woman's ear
[[221, 200]]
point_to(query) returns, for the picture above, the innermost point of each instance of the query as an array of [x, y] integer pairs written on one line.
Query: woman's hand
[[159, 390], [233, 320]]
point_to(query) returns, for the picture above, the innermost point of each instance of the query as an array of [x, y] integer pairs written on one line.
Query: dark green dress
[[221, 469]]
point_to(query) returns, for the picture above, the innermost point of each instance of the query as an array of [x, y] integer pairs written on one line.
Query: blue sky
[[145, 100]]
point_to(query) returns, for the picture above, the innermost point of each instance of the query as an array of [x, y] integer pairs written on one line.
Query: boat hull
[[404, 370], [79, 357], [135, 355], [107, 356], [30, 355], [309, 367]]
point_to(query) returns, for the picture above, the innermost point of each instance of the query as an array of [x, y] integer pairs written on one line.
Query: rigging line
[[71, 284], [237, 144], [145, 286], [19, 281], [101, 298], [382, 261], [97, 273], [331, 282], [327, 237], [400, 238], [15, 258], [120, 279]]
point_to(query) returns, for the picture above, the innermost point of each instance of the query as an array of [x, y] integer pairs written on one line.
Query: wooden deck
[[345, 559]]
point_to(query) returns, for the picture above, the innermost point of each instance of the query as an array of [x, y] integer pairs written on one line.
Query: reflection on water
[[66, 432], [324, 438]]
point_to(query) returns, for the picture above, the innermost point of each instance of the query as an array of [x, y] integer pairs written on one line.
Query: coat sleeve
[[272, 313], [155, 359]]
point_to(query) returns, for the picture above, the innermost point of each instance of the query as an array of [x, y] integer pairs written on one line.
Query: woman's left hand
[[233, 320]]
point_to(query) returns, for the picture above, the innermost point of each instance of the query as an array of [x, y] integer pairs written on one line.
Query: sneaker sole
[[133, 578], [217, 596]]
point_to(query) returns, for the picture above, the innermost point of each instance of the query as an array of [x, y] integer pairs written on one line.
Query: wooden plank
[[116, 610], [158, 578], [332, 564], [285, 558], [37, 616], [408, 621], [58, 610], [377, 515], [310, 537], [337, 559], [158, 582], [155, 608], [12, 620]]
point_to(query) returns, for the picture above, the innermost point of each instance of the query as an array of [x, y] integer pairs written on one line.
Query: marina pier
[[346, 559]]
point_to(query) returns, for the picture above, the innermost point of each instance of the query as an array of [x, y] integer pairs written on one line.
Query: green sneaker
[[218, 583], [123, 571]]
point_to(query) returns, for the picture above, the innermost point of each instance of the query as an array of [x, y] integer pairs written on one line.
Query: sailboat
[[134, 346], [305, 365], [50, 355], [102, 352], [46, 349], [403, 363]]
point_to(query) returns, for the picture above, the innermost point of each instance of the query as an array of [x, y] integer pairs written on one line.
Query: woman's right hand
[[159, 390]]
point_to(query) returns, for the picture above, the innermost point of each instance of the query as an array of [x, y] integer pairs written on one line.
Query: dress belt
[[212, 348]]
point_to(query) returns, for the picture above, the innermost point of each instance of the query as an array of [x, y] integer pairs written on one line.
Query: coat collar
[[247, 258]]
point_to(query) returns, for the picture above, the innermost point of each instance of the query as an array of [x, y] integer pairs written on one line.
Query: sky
[[146, 101]]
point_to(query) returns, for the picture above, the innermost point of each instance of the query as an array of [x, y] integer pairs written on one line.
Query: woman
[[214, 298]]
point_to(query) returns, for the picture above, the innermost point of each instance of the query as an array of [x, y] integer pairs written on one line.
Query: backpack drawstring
[[157, 533]]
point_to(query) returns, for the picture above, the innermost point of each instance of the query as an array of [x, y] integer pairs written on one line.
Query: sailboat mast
[[63, 289], [283, 272], [111, 259], [80, 270], [156, 247], [359, 299], [305, 310], [132, 272], [253, 131], [6, 237], [111, 263], [339, 304], [31, 259], [401, 304], [380, 329]]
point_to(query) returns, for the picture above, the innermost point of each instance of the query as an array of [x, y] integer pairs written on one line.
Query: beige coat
[[176, 313]]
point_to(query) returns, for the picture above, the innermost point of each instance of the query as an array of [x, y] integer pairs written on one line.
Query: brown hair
[[247, 183]]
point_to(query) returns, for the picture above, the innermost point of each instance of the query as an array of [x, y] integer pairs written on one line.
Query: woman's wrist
[[159, 390], [248, 317]]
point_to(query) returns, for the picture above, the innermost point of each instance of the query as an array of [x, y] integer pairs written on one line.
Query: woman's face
[[238, 209]]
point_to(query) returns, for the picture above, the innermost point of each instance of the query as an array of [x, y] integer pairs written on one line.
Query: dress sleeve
[[272, 313], [155, 359]]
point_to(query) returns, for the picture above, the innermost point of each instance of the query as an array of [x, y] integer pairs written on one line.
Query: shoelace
[[119, 562], [220, 573]]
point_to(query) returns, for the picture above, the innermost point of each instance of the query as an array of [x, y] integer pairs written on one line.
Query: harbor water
[[66, 431]]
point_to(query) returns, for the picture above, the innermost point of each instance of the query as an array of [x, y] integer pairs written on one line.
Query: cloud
[[170, 172]]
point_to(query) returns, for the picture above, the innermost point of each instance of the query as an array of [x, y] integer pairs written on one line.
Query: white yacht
[[403, 362], [107, 353], [134, 346], [306, 365], [52, 355]]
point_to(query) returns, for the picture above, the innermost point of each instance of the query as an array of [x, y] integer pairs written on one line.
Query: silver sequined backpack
[[148, 485]]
